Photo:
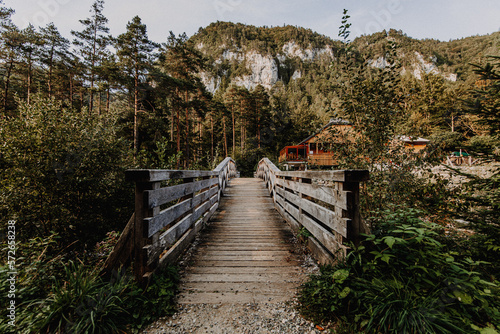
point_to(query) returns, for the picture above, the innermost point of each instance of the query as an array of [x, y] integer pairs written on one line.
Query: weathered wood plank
[[202, 197], [319, 253], [334, 175], [326, 216], [154, 175], [322, 193], [325, 237], [167, 216], [180, 246], [164, 195], [123, 249], [170, 236]]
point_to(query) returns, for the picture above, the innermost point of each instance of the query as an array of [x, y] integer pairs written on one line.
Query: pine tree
[[10, 51], [30, 55], [180, 60], [92, 42], [133, 50], [55, 50]]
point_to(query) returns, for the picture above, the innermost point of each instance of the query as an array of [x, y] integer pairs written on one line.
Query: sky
[[437, 19]]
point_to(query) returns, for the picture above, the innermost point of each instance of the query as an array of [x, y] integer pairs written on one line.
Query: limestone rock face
[[419, 66], [264, 71], [261, 69]]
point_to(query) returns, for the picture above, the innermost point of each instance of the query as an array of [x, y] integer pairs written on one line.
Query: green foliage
[[304, 233], [158, 298], [38, 264], [61, 296], [68, 176], [403, 280], [483, 144]]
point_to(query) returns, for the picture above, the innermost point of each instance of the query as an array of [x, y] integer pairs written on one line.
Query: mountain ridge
[[248, 56]]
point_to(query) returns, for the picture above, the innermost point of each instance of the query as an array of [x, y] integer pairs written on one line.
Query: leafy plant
[[69, 175], [402, 279]]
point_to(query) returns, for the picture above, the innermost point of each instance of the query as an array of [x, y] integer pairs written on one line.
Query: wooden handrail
[[168, 217], [326, 203]]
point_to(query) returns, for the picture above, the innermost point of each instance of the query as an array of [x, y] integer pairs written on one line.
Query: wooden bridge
[[244, 254]]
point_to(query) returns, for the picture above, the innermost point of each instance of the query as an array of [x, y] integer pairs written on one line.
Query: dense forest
[[75, 114]]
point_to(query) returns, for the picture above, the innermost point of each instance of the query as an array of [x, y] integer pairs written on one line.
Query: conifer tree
[[30, 55], [133, 50], [92, 42], [55, 50], [180, 60], [10, 51]]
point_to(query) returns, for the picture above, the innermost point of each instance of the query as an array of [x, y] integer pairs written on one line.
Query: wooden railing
[[326, 203], [171, 206]]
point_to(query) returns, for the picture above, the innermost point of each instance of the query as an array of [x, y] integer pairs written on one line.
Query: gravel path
[[254, 318], [234, 319]]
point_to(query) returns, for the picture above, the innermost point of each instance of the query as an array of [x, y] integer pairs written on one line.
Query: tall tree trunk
[[7, 84], [234, 129], [49, 83], [81, 100], [108, 96], [71, 89], [99, 93], [91, 95], [29, 83], [212, 138], [225, 136], [136, 113], [178, 126], [187, 129]]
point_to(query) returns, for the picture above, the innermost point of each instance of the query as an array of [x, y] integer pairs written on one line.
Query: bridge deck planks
[[245, 254]]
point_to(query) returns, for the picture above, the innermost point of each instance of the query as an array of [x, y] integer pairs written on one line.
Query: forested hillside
[[76, 112]]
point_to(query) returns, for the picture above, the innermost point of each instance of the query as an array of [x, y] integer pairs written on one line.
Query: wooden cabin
[[314, 150], [415, 144]]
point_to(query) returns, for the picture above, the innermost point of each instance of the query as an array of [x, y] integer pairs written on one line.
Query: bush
[[483, 144], [62, 171], [55, 295], [403, 280], [446, 141]]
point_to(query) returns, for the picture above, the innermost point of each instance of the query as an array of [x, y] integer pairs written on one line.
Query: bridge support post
[[140, 238]]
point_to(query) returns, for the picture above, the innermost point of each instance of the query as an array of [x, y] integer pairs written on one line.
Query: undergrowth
[[402, 279], [57, 295]]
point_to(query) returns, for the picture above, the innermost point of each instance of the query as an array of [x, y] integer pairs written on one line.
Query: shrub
[[67, 296], [402, 280], [62, 171], [483, 144]]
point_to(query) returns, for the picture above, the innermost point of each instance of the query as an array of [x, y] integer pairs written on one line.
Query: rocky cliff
[[248, 56]]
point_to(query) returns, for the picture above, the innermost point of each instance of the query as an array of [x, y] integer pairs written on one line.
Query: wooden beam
[[334, 175], [154, 175], [123, 249], [164, 195]]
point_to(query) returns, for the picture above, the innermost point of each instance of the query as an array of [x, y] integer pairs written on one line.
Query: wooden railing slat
[[167, 216], [323, 193], [326, 216], [154, 175], [333, 175], [164, 195]]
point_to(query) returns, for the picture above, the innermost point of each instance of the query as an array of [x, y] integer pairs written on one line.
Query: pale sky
[[437, 19]]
